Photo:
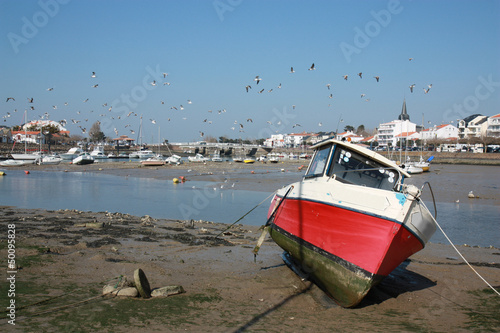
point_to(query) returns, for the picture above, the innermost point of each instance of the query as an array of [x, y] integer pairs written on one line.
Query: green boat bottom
[[346, 283]]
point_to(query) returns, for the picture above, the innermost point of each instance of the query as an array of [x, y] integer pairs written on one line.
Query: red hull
[[372, 243]]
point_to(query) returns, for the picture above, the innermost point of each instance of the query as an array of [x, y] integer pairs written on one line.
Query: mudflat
[[64, 258]]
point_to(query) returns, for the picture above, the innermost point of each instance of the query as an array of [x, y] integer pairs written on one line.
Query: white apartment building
[[493, 126], [445, 131], [472, 126]]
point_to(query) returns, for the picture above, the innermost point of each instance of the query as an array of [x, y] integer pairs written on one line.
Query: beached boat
[[411, 168], [72, 153], [351, 221], [198, 158], [153, 161], [173, 159], [83, 159], [238, 159], [49, 160], [249, 160], [216, 158], [12, 162]]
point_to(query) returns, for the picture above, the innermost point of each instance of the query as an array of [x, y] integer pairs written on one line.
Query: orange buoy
[[26, 172]]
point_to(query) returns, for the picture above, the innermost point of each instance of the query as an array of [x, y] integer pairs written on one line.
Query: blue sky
[[211, 50]]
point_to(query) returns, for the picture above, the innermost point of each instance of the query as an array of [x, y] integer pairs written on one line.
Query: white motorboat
[[98, 153], [12, 162], [72, 153], [174, 159], [83, 159], [142, 154], [411, 168], [198, 158], [216, 158], [49, 160], [153, 161]]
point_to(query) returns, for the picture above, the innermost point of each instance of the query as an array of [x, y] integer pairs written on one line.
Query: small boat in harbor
[[72, 153], [83, 159], [98, 153], [142, 154], [249, 160], [198, 158], [13, 162], [174, 159], [351, 220], [49, 160], [153, 161]]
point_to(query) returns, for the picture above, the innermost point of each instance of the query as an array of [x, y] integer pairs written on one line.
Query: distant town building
[[349, 134], [475, 125], [445, 131], [493, 126], [5, 135], [389, 133]]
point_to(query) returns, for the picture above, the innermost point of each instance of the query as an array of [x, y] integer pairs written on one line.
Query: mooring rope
[[461, 256], [241, 218]]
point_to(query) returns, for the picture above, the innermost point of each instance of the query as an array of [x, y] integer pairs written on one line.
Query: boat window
[[318, 164], [351, 167]]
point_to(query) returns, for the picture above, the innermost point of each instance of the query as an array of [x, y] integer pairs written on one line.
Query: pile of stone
[[139, 287]]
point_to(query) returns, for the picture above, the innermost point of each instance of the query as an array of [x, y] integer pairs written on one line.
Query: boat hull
[[346, 252]]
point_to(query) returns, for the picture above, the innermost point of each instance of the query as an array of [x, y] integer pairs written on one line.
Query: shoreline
[[73, 253]]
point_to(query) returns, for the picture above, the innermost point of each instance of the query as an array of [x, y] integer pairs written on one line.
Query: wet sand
[[72, 254]]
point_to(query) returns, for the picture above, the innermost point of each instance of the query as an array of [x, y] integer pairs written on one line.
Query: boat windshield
[[353, 168], [318, 164]]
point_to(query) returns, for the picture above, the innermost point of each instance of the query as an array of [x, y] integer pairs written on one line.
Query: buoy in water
[[26, 172], [182, 179], [2, 173], [176, 180], [253, 172]]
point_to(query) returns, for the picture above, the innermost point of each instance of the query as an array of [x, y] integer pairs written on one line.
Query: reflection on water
[[473, 222], [136, 196]]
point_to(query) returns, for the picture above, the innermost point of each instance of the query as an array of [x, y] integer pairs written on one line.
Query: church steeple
[[404, 115]]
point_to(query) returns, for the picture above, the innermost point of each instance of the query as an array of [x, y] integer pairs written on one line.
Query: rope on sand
[[453, 245]]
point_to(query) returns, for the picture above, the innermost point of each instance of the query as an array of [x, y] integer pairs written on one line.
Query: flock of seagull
[[237, 125]]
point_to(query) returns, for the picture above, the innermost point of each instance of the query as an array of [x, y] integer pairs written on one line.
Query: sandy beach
[[65, 257]]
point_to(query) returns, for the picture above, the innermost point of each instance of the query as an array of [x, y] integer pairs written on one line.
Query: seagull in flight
[[248, 87], [95, 86], [291, 70], [360, 74], [30, 99], [10, 98], [93, 74], [411, 87], [377, 78], [50, 89], [312, 67], [345, 77], [258, 79], [328, 86]]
